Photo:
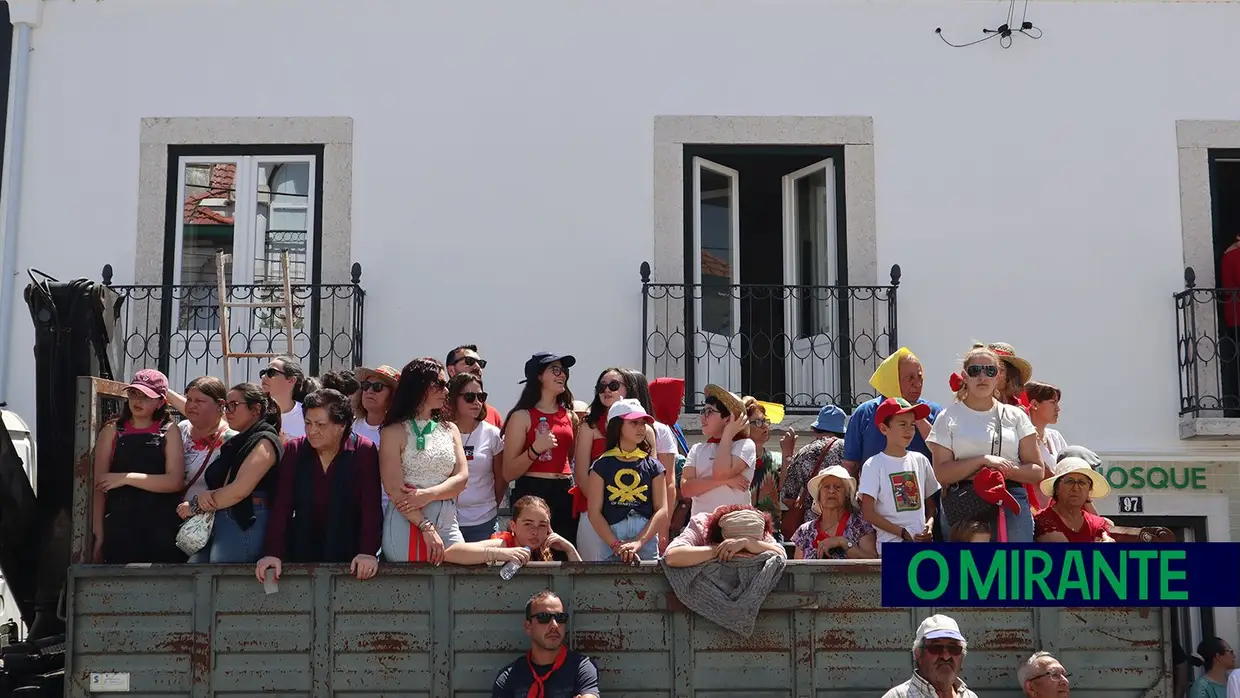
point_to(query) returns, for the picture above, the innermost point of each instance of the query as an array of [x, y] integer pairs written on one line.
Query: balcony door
[[254, 208], [716, 247], [811, 307]]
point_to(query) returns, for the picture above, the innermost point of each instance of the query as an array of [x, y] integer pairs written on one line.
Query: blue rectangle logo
[[1061, 574]]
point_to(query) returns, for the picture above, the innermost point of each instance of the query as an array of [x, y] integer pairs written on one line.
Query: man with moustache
[[938, 653], [1042, 676], [548, 670], [465, 359]]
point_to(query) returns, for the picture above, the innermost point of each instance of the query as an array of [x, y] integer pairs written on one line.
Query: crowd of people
[[414, 465]]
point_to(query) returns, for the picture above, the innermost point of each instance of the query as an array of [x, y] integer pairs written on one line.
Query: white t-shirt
[[1233, 684], [969, 433], [664, 439], [1050, 449], [293, 423], [195, 454], [899, 487], [476, 504], [702, 459], [361, 428]]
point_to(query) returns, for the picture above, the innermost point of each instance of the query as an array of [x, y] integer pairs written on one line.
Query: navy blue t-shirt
[[628, 486], [576, 677]]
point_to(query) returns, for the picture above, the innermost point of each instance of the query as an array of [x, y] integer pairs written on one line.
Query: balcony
[[1208, 353], [176, 328], [799, 346]]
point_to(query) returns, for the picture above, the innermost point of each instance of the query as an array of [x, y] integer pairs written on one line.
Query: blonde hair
[[977, 350]]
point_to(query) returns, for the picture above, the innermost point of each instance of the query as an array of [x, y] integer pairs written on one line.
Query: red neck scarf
[[712, 441], [839, 529], [536, 688]]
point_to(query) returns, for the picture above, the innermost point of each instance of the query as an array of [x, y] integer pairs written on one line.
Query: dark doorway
[[6, 50], [764, 239], [1225, 214]]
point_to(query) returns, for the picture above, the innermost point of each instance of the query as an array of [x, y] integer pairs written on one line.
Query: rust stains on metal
[[598, 641], [1005, 639], [384, 643], [641, 594], [837, 639], [195, 644]]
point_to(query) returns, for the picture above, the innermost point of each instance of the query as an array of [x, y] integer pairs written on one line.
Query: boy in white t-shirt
[[896, 483]]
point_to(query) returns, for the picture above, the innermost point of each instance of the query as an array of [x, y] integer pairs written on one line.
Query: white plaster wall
[[503, 153]]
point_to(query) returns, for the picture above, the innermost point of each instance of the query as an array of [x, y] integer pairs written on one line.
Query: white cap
[[938, 626], [629, 408]]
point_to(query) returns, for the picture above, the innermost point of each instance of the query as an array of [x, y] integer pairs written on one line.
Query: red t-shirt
[[494, 417], [1047, 521]]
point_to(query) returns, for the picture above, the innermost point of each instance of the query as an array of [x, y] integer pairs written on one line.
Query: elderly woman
[[326, 506], [734, 530], [837, 531], [1066, 519]]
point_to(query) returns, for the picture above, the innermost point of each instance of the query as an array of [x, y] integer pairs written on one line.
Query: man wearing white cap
[[938, 654]]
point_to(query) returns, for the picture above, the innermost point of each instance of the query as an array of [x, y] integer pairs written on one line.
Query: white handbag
[[195, 533]]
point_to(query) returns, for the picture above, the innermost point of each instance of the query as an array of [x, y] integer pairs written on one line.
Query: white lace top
[[432, 465]]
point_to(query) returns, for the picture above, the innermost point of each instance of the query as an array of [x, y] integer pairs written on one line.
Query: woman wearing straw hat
[[714, 482], [1014, 372], [838, 530], [1066, 521]]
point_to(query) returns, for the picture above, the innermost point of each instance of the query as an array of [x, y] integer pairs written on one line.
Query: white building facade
[[500, 171]]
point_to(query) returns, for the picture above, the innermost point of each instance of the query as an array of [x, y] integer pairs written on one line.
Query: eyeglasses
[[1054, 673], [1076, 482], [372, 386], [472, 397], [759, 423], [711, 410], [471, 361], [439, 384], [613, 386], [976, 370], [270, 372], [232, 405], [558, 371], [940, 649], [545, 618]]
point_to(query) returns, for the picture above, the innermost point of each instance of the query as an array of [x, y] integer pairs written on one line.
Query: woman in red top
[[1066, 519], [539, 438]]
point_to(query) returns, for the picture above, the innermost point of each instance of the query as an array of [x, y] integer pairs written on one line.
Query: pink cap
[[150, 383]]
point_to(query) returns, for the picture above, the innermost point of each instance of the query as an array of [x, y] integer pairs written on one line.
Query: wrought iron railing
[[1208, 349], [800, 346], [176, 328]]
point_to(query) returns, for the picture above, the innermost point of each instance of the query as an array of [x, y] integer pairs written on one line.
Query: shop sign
[[1157, 477]]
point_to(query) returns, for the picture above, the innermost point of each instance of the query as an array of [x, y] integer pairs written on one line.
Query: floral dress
[[808, 536], [767, 485]]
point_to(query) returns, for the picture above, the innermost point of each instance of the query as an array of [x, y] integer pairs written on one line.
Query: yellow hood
[[886, 378]]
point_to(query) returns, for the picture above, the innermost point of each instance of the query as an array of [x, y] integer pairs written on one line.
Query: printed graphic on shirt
[[626, 488], [469, 453], [905, 491]]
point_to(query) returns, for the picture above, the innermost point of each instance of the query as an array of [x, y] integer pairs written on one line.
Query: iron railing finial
[[1190, 278]]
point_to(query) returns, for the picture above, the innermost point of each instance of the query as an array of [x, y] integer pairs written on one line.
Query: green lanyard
[[420, 435]]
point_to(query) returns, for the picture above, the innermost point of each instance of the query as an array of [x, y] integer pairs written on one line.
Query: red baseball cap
[[893, 406], [150, 383]]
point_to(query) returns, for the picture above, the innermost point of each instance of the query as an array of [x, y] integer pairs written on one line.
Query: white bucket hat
[[815, 484], [1099, 487]]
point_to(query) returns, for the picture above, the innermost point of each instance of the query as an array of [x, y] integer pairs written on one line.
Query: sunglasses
[[472, 397], [471, 361], [372, 386], [941, 649], [272, 373], [613, 386], [976, 370], [545, 618], [439, 384]]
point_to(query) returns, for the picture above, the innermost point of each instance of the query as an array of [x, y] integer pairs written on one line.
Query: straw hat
[[1008, 354], [1076, 466], [730, 400], [384, 374], [815, 484]]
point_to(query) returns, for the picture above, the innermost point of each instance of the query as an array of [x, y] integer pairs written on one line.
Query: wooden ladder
[[221, 259]]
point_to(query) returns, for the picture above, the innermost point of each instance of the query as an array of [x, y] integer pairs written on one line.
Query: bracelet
[[534, 455], [427, 525], [615, 544]]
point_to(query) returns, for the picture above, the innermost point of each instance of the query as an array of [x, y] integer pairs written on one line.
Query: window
[[253, 207]]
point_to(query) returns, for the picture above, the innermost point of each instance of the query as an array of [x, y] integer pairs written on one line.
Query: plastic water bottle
[[544, 428], [510, 568]]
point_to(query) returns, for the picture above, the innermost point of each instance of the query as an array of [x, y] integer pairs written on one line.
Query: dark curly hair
[[343, 381], [415, 382], [714, 530], [339, 411]]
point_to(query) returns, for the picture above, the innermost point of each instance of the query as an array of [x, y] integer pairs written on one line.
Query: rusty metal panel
[[202, 630]]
